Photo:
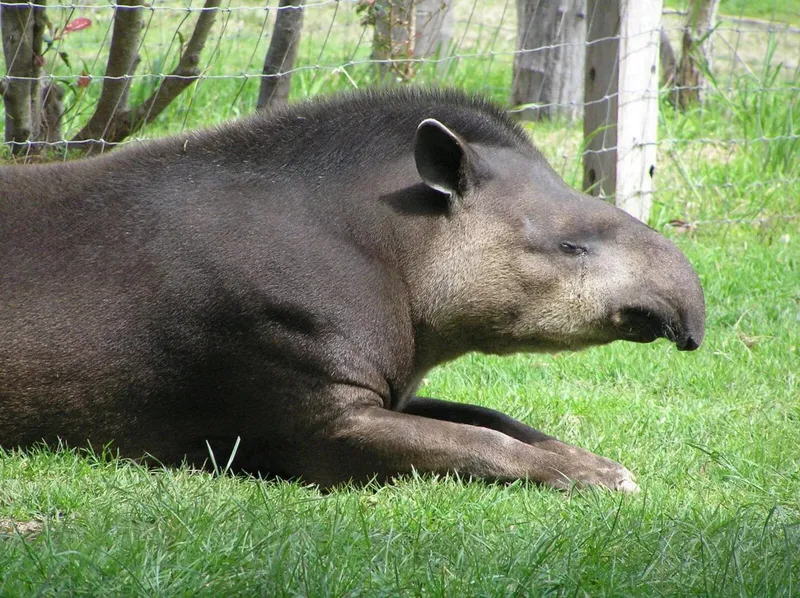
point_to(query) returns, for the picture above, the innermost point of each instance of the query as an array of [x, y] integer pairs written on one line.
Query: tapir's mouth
[[641, 325]]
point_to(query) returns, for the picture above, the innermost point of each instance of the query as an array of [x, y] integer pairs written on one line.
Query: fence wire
[[738, 154]]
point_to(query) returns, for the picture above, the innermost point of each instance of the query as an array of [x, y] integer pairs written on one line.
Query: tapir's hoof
[[607, 474], [624, 481], [628, 487]]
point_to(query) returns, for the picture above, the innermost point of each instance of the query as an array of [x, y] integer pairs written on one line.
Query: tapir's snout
[[644, 325], [662, 296], [688, 343], [694, 327]]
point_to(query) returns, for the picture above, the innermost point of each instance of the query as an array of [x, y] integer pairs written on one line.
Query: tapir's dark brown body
[[288, 280]]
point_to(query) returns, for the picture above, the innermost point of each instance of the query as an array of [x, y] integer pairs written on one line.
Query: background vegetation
[[713, 436]]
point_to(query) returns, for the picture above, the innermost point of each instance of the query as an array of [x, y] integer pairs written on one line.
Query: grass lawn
[[713, 436]]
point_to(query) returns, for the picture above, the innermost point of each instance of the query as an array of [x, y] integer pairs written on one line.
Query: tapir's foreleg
[[474, 415], [370, 441]]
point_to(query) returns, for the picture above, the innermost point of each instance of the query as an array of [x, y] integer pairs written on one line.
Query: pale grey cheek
[[529, 229], [582, 276]]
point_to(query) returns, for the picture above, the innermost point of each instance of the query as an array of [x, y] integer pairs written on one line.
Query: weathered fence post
[[435, 25], [621, 112], [549, 61]]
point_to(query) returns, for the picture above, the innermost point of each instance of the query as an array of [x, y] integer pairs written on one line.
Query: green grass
[[713, 436]]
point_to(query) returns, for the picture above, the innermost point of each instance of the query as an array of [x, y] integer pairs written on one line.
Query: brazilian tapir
[[288, 279]]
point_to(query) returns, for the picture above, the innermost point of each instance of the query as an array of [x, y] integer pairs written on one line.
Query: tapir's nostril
[[687, 343]]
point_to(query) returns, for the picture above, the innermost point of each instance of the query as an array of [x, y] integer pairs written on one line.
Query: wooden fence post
[[621, 112]]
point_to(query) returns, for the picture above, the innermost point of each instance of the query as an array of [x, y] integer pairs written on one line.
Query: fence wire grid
[[737, 155]]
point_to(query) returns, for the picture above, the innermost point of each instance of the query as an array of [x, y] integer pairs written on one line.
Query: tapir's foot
[[591, 469], [629, 487], [615, 477]]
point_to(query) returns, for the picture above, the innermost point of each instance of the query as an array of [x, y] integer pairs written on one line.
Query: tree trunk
[[696, 52], [52, 111], [22, 28], [34, 113], [185, 73], [435, 22], [393, 40], [281, 55], [666, 58], [113, 121], [549, 64], [123, 57], [39, 24]]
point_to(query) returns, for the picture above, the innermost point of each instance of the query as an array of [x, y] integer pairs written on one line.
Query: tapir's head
[[524, 263]]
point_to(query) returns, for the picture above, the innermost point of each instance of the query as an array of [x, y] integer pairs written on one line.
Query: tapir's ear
[[444, 160]]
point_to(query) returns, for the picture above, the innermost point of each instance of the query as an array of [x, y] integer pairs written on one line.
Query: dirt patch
[[27, 529]]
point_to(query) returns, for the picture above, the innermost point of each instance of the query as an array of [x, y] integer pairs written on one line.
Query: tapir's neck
[[401, 222]]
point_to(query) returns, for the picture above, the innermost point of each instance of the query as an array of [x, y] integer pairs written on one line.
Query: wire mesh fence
[[735, 157]]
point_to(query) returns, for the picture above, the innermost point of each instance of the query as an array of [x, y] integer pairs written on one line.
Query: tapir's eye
[[572, 248]]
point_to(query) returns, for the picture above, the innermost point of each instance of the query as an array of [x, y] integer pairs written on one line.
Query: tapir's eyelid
[[572, 248]]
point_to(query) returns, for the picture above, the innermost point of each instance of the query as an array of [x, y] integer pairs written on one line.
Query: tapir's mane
[[383, 120], [472, 116]]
